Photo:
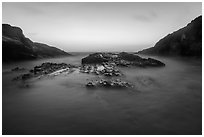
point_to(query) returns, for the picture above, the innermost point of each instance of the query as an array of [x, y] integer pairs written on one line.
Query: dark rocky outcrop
[[129, 57], [48, 68], [95, 58], [184, 42], [16, 47], [121, 59]]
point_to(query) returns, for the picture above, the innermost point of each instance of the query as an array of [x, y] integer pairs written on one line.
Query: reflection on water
[[165, 100]]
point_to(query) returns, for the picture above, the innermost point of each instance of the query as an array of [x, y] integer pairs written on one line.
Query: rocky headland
[[185, 42], [17, 47]]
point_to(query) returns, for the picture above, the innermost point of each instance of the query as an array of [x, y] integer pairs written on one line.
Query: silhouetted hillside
[[16, 47], [184, 42]]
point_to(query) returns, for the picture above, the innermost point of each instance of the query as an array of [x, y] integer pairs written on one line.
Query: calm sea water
[[166, 100]]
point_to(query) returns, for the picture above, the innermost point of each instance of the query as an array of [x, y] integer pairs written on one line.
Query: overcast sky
[[99, 26]]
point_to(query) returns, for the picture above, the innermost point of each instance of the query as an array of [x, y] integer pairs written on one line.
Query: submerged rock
[[154, 62], [26, 76], [18, 69], [118, 83], [90, 84]]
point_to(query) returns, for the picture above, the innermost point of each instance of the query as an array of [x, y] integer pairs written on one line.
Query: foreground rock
[[49, 69], [121, 59], [109, 84]]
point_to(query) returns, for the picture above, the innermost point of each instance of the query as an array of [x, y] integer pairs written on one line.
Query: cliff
[[16, 47], [184, 42]]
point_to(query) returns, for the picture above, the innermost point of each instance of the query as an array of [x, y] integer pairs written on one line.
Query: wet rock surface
[[49, 67], [106, 64], [102, 64], [117, 83], [121, 59], [46, 69], [106, 69]]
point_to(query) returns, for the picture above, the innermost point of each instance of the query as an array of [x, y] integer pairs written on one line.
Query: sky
[[99, 26]]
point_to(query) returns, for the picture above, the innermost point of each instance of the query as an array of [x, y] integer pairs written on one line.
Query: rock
[[154, 62], [48, 68], [18, 69], [121, 84], [123, 63], [26, 76], [32, 71], [108, 74], [90, 84], [96, 58], [110, 84], [100, 68], [55, 73], [106, 69], [105, 83], [120, 59], [129, 57]]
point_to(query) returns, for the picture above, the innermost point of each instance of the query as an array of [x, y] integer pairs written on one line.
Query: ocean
[[164, 100]]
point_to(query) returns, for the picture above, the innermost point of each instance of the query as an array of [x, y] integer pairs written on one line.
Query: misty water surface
[[165, 100]]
